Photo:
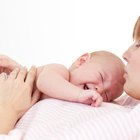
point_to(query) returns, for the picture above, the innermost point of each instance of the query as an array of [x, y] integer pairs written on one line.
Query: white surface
[[47, 31]]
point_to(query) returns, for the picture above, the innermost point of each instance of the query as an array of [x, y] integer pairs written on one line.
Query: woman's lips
[[125, 74]]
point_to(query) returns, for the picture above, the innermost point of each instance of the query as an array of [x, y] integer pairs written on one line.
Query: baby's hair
[[115, 58], [104, 53], [107, 54], [136, 31]]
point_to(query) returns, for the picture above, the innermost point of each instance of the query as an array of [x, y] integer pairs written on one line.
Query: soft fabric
[[52, 119]]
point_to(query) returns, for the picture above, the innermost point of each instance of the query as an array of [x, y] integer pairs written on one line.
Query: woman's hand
[[16, 96], [7, 64]]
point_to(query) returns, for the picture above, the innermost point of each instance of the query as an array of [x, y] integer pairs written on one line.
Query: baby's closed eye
[[85, 87]]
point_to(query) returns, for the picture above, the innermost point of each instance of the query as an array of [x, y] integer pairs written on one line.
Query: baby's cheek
[[104, 97], [80, 86]]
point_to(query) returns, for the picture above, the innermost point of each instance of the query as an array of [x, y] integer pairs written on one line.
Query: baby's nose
[[99, 89]]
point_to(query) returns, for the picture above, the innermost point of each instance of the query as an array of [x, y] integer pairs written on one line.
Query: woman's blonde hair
[[136, 31]]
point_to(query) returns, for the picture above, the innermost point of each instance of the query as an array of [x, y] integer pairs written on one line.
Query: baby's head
[[102, 71]]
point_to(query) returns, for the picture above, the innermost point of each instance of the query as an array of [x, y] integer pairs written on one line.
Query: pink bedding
[[53, 119]]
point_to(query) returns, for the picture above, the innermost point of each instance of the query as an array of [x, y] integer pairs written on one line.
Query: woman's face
[[132, 70]]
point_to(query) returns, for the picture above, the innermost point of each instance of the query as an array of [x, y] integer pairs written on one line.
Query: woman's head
[[132, 69], [136, 31]]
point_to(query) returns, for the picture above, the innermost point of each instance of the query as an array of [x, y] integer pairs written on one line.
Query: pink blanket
[[53, 119]]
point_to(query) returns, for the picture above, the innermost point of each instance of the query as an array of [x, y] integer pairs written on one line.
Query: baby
[[91, 79]]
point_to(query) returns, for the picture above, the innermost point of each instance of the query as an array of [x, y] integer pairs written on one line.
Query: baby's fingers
[[97, 100]]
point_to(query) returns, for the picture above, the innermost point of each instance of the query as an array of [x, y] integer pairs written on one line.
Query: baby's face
[[102, 75]]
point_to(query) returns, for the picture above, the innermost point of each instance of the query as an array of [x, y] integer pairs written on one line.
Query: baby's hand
[[90, 97]]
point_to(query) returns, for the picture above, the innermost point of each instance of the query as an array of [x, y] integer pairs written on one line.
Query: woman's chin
[[131, 92]]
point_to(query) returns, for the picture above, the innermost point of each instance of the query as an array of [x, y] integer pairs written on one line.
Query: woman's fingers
[[31, 75], [22, 74], [16, 90], [3, 76], [14, 73]]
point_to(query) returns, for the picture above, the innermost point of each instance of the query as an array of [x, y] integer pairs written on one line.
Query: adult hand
[[16, 96], [7, 64]]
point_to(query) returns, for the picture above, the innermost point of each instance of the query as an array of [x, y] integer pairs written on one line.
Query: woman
[[117, 125], [132, 69]]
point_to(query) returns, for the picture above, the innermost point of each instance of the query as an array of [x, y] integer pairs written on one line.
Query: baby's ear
[[82, 59]]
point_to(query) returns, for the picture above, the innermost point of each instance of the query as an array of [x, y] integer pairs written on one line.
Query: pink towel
[[52, 119]]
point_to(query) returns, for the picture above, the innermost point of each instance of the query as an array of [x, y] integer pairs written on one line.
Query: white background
[[58, 31]]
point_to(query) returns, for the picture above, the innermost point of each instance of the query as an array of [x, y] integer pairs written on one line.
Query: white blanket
[[53, 119]]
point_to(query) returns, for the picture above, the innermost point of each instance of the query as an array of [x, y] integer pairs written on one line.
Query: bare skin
[[89, 80], [16, 96]]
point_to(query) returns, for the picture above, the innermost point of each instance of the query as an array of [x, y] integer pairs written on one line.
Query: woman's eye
[[85, 87], [137, 45]]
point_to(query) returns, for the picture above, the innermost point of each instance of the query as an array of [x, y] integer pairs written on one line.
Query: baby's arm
[[53, 81]]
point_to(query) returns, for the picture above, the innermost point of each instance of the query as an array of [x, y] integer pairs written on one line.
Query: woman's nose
[[127, 54]]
